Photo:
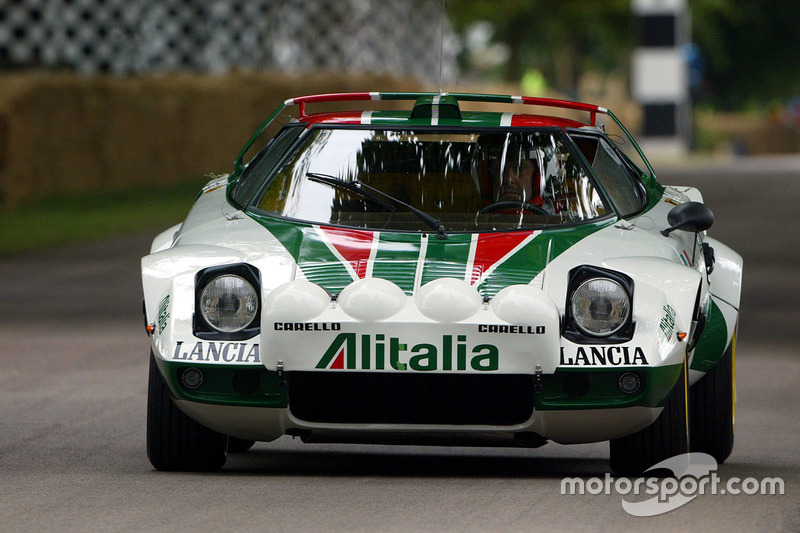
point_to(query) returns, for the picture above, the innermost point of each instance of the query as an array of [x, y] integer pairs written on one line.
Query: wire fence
[[126, 37]]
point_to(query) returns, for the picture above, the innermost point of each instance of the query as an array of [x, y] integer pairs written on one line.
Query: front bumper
[[568, 406], [564, 427], [377, 361]]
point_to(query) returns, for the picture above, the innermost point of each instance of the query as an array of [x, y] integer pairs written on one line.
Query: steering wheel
[[512, 204]]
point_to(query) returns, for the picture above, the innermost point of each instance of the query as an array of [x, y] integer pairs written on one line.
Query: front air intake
[[402, 398]]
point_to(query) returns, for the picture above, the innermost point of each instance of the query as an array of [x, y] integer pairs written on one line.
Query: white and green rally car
[[446, 276]]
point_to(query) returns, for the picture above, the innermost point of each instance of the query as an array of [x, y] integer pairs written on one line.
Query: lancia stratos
[[444, 270]]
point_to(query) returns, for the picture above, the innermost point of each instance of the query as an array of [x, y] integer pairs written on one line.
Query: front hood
[[335, 257]]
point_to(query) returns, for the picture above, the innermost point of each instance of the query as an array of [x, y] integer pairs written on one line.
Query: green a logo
[[343, 346]]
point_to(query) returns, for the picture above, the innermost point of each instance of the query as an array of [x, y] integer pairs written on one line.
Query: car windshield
[[407, 180]]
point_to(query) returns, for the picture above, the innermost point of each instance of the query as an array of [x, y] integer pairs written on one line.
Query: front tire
[[667, 437], [175, 442], [711, 411]]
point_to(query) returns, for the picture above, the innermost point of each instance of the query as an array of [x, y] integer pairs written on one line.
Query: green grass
[[71, 218]]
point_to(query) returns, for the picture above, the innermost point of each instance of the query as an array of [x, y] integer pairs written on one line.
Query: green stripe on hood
[[335, 257]]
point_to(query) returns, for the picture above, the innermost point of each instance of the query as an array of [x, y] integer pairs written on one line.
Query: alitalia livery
[[405, 275]]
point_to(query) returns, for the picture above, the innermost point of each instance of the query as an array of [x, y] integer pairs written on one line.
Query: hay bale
[[68, 133]]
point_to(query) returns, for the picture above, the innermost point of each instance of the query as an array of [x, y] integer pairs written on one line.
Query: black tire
[[239, 445], [711, 412], [175, 442], [667, 437]]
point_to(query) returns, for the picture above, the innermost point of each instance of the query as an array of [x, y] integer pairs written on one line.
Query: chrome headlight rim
[[576, 277], [576, 314], [229, 287], [203, 327]]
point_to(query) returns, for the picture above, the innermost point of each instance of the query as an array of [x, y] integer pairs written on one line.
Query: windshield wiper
[[350, 186], [367, 191]]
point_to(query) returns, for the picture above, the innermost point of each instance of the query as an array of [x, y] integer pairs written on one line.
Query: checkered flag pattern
[[294, 36]]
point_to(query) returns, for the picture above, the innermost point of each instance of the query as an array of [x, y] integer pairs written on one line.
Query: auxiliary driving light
[[191, 378], [629, 382]]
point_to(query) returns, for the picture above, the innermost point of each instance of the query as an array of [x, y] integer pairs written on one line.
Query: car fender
[[726, 279], [662, 310], [165, 239], [723, 312], [162, 269]]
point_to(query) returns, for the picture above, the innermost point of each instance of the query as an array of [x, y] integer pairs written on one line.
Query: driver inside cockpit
[[509, 176]]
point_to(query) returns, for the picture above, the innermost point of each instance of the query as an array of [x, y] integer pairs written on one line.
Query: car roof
[[468, 118]]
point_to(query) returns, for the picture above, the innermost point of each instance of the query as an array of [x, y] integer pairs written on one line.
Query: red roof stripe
[[530, 121], [566, 104], [342, 117]]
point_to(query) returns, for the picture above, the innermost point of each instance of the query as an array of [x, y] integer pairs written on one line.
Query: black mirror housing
[[691, 216]]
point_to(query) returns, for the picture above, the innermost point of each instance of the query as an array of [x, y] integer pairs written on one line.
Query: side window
[[257, 170], [613, 174]]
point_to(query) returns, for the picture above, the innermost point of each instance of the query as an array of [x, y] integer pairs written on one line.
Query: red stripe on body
[[353, 245], [491, 248]]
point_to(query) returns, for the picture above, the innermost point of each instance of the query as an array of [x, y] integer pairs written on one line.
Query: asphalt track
[[73, 370]]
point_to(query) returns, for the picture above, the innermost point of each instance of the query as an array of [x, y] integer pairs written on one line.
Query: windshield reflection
[[473, 181]]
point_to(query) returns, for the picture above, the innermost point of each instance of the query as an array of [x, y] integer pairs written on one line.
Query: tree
[[752, 50], [561, 38], [751, 47]]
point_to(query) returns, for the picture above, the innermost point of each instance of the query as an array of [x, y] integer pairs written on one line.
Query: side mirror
[[691, 216]]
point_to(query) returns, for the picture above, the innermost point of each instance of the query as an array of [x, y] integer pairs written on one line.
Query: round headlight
[[600, 307], [228, 303]]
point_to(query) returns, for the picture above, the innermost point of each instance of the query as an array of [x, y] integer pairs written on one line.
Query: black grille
[[246, 382], [575, 385], [373, 398]]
